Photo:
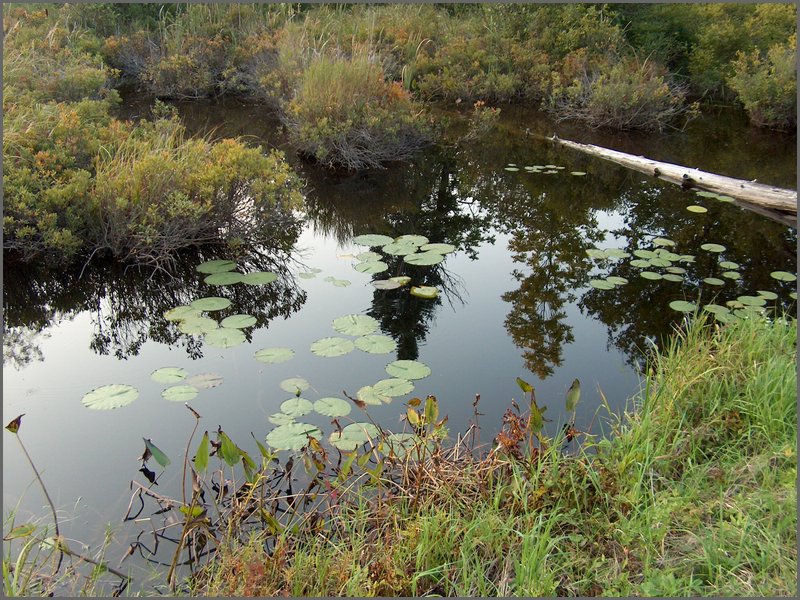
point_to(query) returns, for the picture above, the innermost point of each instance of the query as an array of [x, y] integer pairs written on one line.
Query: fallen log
[[776, 203]]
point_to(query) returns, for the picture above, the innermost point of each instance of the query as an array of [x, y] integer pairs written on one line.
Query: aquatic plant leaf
[[512, 169], [767, 295], [676, 270], [340, 282], [723, 198], [280, 419], [660, 241], [216, 266], [225, 338], [616, 280], [424, 291], [524, 385], [414, 240], [239, 321], [356, 325], [641, 263], [713, 281], [713, 247], [180, 313], [226, 278], [393, 387], [372, 240], [108, 397], [752, 300], [293, 384], [332, 407], [577, 173], [205, 381], [704, 194], [401, 279], [408, 369], [371, 268], [154, 451], [431, 409], [368, 395], [179, 393], [211, 303], [793, 295], [396, 249], [716, 309], [696, 209], [332, 346], [169, 374], [648, 254], [725, 317], [596, 253], [368, 256], [732, 275], [666, 254], [274, 356], [601, 284], [259, 277], [438, 248], [202, 454], [573, 395], [423, 258], [385, 284], [376, 344], [307, 275], [683, 306], [197, 325], [783, 276], [727, 264], [672, 277], [296, 407], [353, 435], [650, 275], [192, 512], [616, 253], [400, 444], [658, 261]]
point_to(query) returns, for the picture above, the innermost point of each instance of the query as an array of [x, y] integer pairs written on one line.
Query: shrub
[[767, 85], [345, 114]]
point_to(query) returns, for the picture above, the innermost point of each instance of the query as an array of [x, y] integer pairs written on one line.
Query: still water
[[515, 299]]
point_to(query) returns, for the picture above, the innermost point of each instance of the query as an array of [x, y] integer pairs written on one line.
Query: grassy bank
[[693, 494]]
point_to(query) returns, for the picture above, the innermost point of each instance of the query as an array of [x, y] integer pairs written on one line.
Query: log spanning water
[[776, 203]]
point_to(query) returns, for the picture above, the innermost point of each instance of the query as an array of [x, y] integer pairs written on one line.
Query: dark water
[[516, 300]]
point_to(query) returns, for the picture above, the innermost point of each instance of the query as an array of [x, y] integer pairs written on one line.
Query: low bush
[[345, 114]]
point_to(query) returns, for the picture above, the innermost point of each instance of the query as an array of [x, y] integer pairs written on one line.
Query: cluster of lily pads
[[543, 169], [696, 208], [662, 258]]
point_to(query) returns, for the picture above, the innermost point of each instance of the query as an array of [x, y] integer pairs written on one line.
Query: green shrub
[[767, 85], [345, 114]]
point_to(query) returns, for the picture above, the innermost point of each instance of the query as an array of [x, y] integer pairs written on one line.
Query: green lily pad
[[683, 306], [198, 325], [658, 261], [512, 169], [332, 407], [408, 369], [368, 256], [713, 281], [293, 384], [356, 325], [616, 253], [108, 397], [424, 291], [414, 240], [259, 277], [386, 284], [601, 284], [767, 295], [752, 300], [676, 270], [732, 275], [402, 279], [204, 381], [169, 374], [734, 304], [725, 317], [211, 303], [296, 407], [372, 240], [179, 313], [704, 194], [696, 209], [438, 248], [226, 278], [396, 249], [648, 254], [793, 295], [551, 172], [341, 282], [307, 275], [216, 266], [660, 241], [332, 346], [616, 280], [239, 321], [179, 393], [368, 395], [727, 264], [640, 263], [596, 253], [783, 276], [353, 436], [577, 173], [376, 344], [372, 267], [423, 258], [393, 387], [716, 309], [400, 444], [225, 338], [672, 277], [723, 198], [274, 356], [292, 436], [713, 247], [280, 419], [650, 275], [687, 258], [667, 255]]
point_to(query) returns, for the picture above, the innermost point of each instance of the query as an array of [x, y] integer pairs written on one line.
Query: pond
[[530, 290]]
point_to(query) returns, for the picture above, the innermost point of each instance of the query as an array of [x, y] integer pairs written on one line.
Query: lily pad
[[371, 267], [727, 264], [368, 395], [396, 249], [108, 397], [687, 258], [296, 407], [169, 374], [752, 300], [767, 295], [616, 253], [414, 240], [332, 346], [596, 253], [783, 276], [356, 325], [676, 270], [666, 254], [640, 263], [408, 369], [216, 266], [292, 436], [696, 209], [226, 278], [672, 277], [293, 384], [179, 393], [400, 444], [577, 173], [239, 321], [340, 282], [372, 240], [423, 258], [353, 436], [280, 419], [332, 407], [650, 275], [376, 344], [424, 291], [205, 381], [225, 338], [732, 275], [401, 279], [723, 198], [393, 387], [438, 248], [716, 309], [512, 169], [648, 254], [601, 284], [616, 280], [274, 356], [713, 281], [713, 247], [386, 284], [179, 313], [307, 275], [211, 303], [793, 295], [259, 277], [368, 256], [704, 194], [198, 325], [683, 306], [660, 241], [658, 261]]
